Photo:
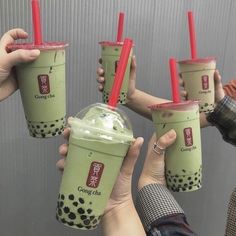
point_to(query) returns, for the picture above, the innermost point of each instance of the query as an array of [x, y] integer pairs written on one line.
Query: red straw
[[174, 80], [120, 27], [192, 35], [115, 92], [36, 22]]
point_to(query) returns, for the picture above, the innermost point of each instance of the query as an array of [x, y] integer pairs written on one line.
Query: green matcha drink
[[183, 158], [42, 88], [110, 57], [99, 140], [198, 76]]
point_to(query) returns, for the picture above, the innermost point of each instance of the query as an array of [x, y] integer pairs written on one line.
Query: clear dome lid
[[101, 122]]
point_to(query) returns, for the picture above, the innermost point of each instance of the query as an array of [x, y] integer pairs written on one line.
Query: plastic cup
[[42, 88], [110, 57], [99, 140], [183, 159], [198, 77]]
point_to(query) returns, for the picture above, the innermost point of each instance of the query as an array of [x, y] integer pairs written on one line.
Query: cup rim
[[197, 60], [173, 105]]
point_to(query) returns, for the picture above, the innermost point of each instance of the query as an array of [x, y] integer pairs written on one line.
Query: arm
[[158, 210]]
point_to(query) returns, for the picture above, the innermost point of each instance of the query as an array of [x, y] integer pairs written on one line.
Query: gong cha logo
[[205, 82], [188, 137], [95, 174], [44, 85]]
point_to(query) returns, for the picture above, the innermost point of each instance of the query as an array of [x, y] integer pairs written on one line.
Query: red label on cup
[[95, 174], [205, 82], [188, 136], [44, 85]]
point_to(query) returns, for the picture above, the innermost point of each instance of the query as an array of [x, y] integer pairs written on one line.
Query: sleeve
[[231, 216], [224, 118], [230, 89], [160, 214]]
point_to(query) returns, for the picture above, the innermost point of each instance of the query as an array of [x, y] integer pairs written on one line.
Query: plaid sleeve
[[224, 118], [159, 212], [231, 216]]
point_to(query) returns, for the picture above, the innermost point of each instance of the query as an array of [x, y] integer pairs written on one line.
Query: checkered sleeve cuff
[[155, 201], [224, 118]]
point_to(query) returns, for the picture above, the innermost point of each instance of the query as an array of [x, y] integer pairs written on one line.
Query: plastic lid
[[44, 46], [198, 60], [175, 106], [101, 122]]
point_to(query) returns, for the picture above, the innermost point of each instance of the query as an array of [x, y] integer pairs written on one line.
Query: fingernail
[[34, 53], [171, 133]]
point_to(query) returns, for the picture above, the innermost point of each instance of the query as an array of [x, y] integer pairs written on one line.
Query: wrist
[[147, 180]]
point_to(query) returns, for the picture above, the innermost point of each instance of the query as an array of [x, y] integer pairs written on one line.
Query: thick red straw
[[174, 80], [115, 92], [120, 27], [36, 22], [192, 35]]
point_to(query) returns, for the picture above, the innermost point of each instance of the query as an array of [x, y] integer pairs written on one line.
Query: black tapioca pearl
[[63, 220], [70, 223], [89, 211], [185, 185], [83, 217], [175, 180], [61, 204], [183, 189], [80, 226], [191, 183], [90, 203], [71, 197], [41, 122], [56, 129], [189, 178], [53, 134], [196, 178], [66, 209], [80, 210], [86, 222], [72, 216], [95, 221], [38, 126], [195, 173], [43, 135], [57, 120], [91, 217], [62, 118], [33, 126], [169, 171], [184, 170], [199, 181], [169, 179], [75, 204], [180, 180], [88, 226], [59, 212], [59, 132], [81, 200], [190, 187], [42, 131], [45, 126], [52, 125], [34, 135]]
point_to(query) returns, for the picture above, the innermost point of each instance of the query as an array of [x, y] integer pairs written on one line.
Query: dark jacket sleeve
[[224, 118], [160, 214], [231, 216]]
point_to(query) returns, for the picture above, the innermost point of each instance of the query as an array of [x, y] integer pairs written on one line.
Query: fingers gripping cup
[[198, 77], [183, 158], [99, 140], [42, 88], [110, 58]]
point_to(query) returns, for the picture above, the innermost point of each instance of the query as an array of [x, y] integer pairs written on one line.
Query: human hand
[[8, 60], [121, 193], [132, 79], [154, 165]]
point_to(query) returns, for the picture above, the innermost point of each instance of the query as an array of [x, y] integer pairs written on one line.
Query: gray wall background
[[29, 180]]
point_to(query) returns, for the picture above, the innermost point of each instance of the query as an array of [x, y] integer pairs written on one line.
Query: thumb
[[219, 91], [128, 164], [20, 56]]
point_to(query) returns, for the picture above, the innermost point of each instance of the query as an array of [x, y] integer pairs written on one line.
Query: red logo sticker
[[205, 82], [188, 136], [44, 86], [95, 174]]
